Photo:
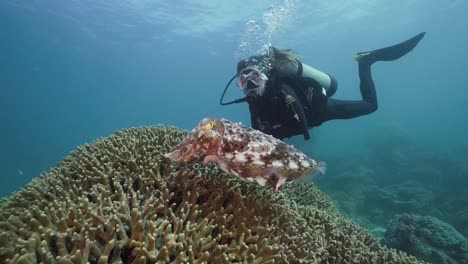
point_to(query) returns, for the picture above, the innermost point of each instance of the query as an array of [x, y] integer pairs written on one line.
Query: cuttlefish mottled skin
[[244, 152]]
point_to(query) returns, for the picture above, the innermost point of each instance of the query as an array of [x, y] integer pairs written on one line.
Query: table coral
[[117, 200]]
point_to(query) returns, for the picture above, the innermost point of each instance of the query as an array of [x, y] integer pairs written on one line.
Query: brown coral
[[118, 200]]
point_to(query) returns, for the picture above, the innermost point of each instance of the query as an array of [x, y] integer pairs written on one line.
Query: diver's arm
[[253, 117], [298, 109], [253, 121]]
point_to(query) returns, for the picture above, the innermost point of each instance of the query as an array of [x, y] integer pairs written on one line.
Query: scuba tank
[[328, 83]]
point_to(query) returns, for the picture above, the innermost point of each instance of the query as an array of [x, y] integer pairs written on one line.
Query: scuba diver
[[286, 97]]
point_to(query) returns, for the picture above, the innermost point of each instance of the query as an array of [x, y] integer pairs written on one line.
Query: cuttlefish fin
[[320, 169]]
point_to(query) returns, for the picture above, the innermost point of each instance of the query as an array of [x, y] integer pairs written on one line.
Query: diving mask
[[252, 81]]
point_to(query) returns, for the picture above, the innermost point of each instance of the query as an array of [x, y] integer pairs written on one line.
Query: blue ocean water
[[73, 71]]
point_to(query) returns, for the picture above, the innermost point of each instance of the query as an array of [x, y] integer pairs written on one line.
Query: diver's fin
[[390, 53]]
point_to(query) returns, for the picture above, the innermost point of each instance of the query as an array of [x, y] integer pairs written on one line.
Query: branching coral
[[307, 194], [118, 200]]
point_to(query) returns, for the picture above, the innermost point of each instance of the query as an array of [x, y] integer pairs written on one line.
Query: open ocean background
[[73, 71]]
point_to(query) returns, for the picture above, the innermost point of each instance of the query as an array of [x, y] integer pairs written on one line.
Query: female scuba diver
[[287, 97]]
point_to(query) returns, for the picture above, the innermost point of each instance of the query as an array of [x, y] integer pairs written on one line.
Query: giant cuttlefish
[[244, 152]]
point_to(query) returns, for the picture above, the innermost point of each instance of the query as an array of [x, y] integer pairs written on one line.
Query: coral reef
[[399, 175], [117, 200], [454, 208], [428, 238], [397, 199], [460, 220]]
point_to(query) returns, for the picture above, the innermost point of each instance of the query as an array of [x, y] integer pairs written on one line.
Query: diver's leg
[[367, 87], [344, 109]]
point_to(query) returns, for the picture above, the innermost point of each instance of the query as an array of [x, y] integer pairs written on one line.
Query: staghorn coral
[[118, 200], [307, 194]]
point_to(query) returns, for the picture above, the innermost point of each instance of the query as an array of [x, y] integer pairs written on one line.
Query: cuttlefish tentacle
[[184, 156], [210, 158]]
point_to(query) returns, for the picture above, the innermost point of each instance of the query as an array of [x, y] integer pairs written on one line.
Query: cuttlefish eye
[[208, 126]]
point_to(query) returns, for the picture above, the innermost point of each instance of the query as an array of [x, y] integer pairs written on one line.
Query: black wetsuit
[[285, 112], [289, 107]]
